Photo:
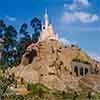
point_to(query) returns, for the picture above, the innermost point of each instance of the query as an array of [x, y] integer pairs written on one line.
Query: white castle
[[47, 32]]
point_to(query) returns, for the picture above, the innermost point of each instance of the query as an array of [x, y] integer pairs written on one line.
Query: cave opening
[[31, 55]]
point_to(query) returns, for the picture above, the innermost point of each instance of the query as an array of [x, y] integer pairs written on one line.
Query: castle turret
[[46, 20], [47, 30]]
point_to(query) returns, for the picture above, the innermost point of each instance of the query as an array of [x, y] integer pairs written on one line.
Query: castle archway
[[76, 70], [80, 69], [86, 71]]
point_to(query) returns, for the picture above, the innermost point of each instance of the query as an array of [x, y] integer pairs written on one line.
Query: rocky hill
[[50, 63]]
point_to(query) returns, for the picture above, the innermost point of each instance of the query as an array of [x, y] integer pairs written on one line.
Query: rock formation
[[50, 63]]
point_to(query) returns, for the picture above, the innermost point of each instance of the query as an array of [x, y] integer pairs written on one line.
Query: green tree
[[2, 27], [9, 50], [36, 25], [25, 40]]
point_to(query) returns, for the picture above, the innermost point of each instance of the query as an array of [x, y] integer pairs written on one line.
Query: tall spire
[[47, 30], [46, 19]]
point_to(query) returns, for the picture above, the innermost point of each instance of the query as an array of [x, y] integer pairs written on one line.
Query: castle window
[[58, 51], [43, 27], [81, 71], [41, 74], [61, 63], [86, 71], [59, 68], [76, 70], [53, 50], [60, 48], [50, 73]]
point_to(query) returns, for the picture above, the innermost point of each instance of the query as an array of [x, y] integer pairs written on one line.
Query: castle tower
[[46, 20], [47, 30]]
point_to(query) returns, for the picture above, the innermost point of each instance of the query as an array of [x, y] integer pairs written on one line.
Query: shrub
[[37, 89]]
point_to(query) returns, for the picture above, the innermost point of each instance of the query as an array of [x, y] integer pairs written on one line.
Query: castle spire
[[47, 30], [46, 19]]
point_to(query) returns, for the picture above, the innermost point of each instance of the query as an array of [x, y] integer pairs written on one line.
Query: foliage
[[15, 42], [14, 97], [81, 61], [38, 89], [36, 25], [5, 82], [2, 27], [9, 44], [25, 41], [41, 92]]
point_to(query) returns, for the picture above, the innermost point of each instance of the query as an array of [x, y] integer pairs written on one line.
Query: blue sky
[[75, 21]]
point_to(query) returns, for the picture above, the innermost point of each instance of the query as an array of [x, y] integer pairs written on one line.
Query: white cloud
[[72, 13], [83, 2], [77, 29], [67, 42], [83, 17], [68, 17], [77, 4], [10, 18], [86, 17], [70, 7]]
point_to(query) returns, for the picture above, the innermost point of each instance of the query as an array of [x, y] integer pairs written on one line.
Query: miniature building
[[80, 69], [47, 30]]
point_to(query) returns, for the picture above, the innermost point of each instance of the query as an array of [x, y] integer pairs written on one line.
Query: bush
[[37, 89], [80, 61]]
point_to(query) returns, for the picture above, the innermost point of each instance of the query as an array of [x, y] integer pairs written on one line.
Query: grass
[[40, 92], [37, 89]]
